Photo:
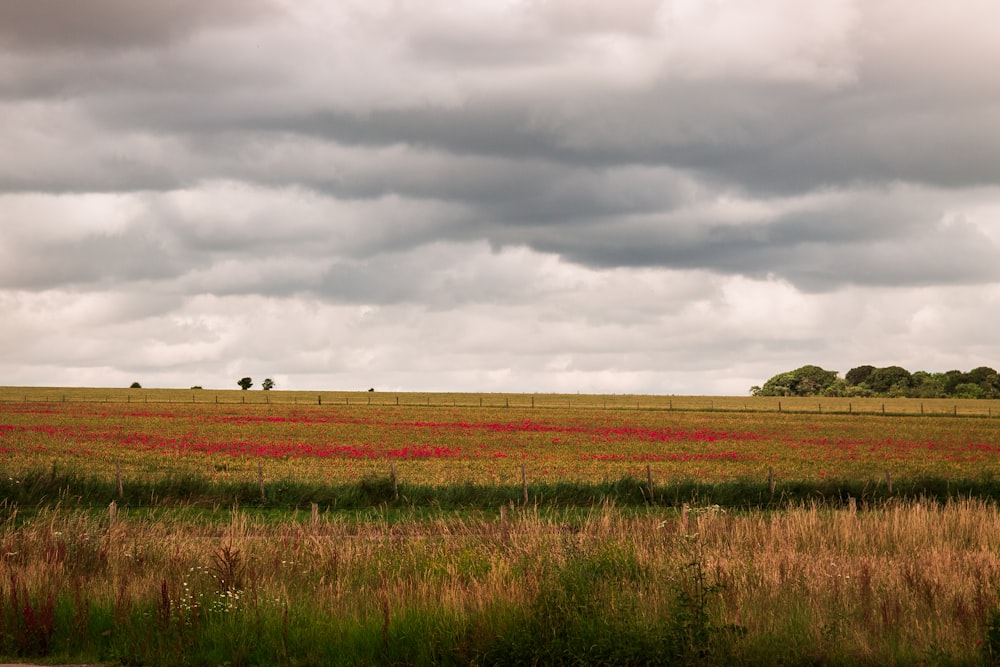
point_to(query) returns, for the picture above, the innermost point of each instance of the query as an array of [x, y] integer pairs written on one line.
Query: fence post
[[112, 514], [649, 483], [315, 515], [770, 479], [888, 480], [118, 478], [395, 486], [779, 406]]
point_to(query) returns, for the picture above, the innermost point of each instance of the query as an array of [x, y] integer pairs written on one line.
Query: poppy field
[[438, 446]]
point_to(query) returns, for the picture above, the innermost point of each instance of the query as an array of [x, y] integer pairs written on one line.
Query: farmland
[[170, 527]]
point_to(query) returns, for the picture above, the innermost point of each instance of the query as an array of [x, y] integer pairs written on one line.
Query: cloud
[[44, 25], [579, 195]]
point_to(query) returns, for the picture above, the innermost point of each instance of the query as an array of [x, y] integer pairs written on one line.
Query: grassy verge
[[902, 583], [40, 487]]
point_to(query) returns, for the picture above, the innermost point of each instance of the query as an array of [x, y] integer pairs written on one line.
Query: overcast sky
[[639, 196]]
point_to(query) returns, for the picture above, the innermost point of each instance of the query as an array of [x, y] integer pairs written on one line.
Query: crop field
[[202, 527]]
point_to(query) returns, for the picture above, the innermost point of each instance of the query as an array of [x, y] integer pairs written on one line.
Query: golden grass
[[919, 575], [255, 396]]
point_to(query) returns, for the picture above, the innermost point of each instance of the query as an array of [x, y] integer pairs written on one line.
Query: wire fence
[[940, 407]]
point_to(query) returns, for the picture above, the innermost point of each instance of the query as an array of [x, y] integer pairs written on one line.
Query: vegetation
[[245, 383], [898, 583], [340, 531], [888, 382]]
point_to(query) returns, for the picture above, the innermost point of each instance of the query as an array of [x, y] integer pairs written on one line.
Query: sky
[[644, 196]]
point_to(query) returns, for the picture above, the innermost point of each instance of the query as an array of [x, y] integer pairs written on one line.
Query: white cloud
[[661, 196]]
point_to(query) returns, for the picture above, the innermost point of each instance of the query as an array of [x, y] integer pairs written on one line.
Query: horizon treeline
[[886, 382]]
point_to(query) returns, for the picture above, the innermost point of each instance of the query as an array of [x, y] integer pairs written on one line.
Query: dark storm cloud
[[100, 25], [525, 140]]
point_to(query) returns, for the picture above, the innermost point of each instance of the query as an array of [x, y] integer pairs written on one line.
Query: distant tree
[[197, 386], [135, 385], [890, 380], [245, 383], [927, 385], [951, 381], [858, 375], [805, 381], [969, 390], [987, 378], [267, 384]]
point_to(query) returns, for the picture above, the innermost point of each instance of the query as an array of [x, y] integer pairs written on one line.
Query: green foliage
[[267, 384], [245, 383], [805, 381], [859, 375], [887, 382], [890, 381], [135, 385]]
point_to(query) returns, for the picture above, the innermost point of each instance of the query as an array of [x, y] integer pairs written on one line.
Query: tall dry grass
[[901, 583]]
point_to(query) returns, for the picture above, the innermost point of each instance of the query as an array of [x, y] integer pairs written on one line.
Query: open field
[[901, 406], [563, 529]]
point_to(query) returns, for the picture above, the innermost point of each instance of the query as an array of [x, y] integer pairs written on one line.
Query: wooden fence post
[[888, 480], [770, 479], [118, 478], [315, 515], [112, 514]]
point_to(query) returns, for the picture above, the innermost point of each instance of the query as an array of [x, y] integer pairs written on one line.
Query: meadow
[[202, 527]]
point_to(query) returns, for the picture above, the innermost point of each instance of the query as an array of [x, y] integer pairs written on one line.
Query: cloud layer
[[676, 197]]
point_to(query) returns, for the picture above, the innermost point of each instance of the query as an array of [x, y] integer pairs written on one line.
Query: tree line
[[887, 382]]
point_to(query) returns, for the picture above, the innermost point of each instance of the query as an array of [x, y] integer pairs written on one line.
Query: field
[[204, 527]]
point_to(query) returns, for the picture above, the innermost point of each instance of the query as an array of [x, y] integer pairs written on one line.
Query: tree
[[889, 380], [245, 383], [987, 378], [267, 384], [859, 375], [135, 385], [805, 381]]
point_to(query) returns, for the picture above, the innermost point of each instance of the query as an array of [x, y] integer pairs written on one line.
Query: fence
[[895, 406]]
